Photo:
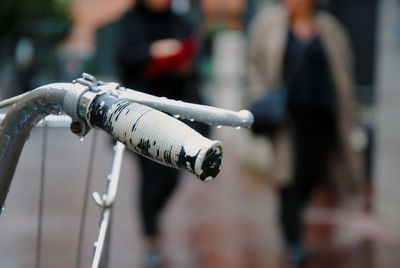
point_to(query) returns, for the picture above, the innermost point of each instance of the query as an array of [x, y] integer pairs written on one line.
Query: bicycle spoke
[[41, 197], [85, 200]]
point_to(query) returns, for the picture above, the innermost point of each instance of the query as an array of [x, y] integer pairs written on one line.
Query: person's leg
[[294, 196], [158, 183], [311, 153], [290, 215], [292, 224]]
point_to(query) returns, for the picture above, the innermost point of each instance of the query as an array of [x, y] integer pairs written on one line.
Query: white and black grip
[[157, 136]]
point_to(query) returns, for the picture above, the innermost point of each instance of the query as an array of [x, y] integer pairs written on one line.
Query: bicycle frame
[[100, 258], [78, 99]]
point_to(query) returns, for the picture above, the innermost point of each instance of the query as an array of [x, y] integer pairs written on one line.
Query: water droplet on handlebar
[[219, 126]]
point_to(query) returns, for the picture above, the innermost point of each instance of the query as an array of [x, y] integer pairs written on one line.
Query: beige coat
[[267, 43]]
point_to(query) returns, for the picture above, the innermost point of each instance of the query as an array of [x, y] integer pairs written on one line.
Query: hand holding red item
[[170, 55]]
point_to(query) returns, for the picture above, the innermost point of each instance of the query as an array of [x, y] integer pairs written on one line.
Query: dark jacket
[[139, 28]]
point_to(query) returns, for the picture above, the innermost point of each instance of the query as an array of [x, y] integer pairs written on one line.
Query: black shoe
[[153, 259], [297, 256]]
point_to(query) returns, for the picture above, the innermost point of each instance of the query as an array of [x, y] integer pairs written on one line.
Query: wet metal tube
[[201, 113], [17, 124]]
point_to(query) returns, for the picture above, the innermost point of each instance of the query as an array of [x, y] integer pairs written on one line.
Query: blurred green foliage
[[36, 18]]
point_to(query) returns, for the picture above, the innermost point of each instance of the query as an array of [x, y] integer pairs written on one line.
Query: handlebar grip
[[157, 136]]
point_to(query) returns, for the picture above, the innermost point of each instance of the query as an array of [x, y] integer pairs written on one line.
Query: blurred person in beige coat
[[314, 149]]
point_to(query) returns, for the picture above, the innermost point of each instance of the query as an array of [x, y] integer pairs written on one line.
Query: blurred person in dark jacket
[[156, 54], [295, 43]]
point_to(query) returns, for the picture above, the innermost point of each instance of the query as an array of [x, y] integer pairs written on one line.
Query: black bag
[[269, 111]]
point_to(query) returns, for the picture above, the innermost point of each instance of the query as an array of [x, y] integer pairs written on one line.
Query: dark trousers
[[157, 185], [314, 140], [158, 182]]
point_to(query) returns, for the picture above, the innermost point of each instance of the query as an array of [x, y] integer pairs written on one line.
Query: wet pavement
[[230, 222]]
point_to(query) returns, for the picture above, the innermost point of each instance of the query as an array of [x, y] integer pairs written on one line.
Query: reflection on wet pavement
[[230, 222]]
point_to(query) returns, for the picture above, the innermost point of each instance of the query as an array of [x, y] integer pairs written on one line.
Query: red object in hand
[[175, 63]]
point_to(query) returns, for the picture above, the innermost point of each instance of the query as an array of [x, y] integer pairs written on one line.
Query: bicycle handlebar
[[156, 135], [119, 112]]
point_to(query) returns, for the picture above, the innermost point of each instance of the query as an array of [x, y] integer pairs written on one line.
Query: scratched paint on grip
[[162, 138]]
